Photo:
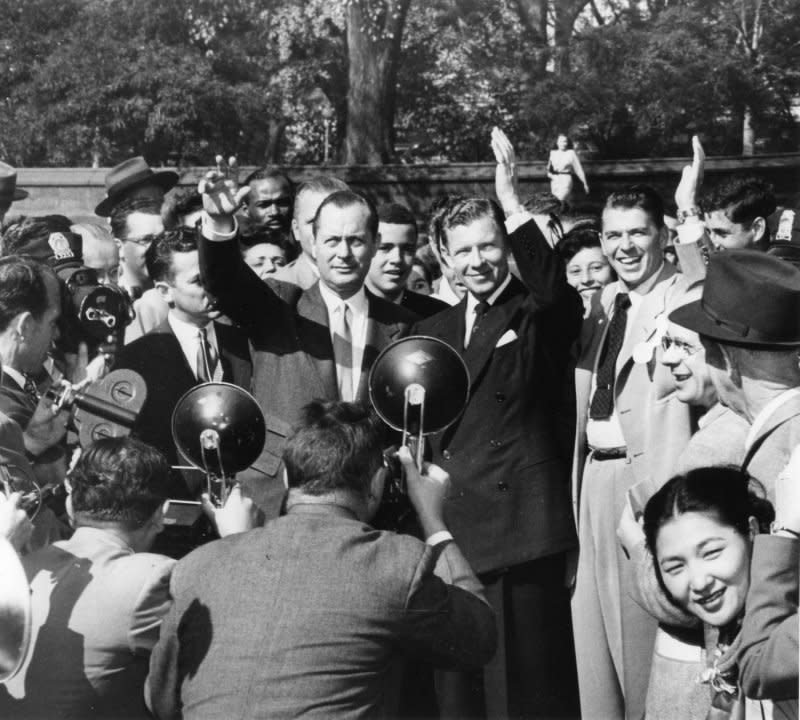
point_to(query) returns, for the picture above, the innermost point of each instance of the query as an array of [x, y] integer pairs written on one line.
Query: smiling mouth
[[629, 260], [680, 378], [707, 602]]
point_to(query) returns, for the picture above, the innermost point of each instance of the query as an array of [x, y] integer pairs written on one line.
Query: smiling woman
[[700, 528]]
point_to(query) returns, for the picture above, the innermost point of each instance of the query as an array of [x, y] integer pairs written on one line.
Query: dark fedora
[[749, 298], [131, 174], [8, 184]]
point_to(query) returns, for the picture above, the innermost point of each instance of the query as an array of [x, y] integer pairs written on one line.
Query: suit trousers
[[614, 636], [532, 674]]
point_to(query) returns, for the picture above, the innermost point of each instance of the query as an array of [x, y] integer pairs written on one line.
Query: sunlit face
[[588, 271], [632, 243], [141, 228], [265, 258], [723, 375], [102, 256], [185, 293], [269, 204], [728, 235], [685, 357], [391, 263], [306, 205], [562, 142], [478, 255], [343, 248], [705, 566], [42, 332], [417, 282]]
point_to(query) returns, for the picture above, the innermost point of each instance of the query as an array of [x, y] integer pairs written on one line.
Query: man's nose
[[671, 356]]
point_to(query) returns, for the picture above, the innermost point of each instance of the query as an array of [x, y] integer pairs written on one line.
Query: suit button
[[446, 455], [502, 486], [499, 397]]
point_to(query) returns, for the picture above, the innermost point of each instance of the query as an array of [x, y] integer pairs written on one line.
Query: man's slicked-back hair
[[396, 214], [120, 212], [270, 173], [319, 184], [334, 446], [23, 288], [158, 258], [120, 480], [742, 199], [639, 197], [343, 199], [467, 210]]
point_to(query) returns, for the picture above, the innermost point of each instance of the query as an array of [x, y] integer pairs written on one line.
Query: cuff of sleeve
[[438, 537], [517, 220], [212, 235], [690, 231]]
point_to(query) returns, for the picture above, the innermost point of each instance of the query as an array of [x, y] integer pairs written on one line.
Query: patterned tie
[[206, 357], [343, 351], [480, 312], [603, 399]]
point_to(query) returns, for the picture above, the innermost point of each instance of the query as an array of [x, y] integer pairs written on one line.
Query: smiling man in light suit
[[509, 505], [631, 426]]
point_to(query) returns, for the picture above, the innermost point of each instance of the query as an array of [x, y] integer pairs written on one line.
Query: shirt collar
[[186, 332], [15, 375], [95, 536], [357, 303], [766, 412], [472, 301]]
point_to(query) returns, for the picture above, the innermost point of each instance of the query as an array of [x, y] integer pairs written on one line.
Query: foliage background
[[90, 82]]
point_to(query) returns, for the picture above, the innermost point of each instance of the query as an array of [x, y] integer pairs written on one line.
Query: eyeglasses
[[688, 350], [143, 240]]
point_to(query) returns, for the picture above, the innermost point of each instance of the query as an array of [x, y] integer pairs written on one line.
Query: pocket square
[[508, 336]]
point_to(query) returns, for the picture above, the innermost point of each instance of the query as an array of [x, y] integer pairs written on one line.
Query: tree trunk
[[374, 35], [566, 13], [274, 139], [533, 16]]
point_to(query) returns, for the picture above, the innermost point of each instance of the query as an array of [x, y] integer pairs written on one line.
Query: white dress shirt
[[189, 340], [359, 310]]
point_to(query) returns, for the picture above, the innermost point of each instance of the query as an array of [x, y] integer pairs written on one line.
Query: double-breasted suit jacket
[[290, 342], [509, 498], [655, 424]]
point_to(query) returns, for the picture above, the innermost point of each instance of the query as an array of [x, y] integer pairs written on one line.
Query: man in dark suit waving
[[509, 507], [306, 345]]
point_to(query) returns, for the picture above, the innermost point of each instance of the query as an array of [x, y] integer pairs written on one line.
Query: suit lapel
[[782, 414], [381, 332], [172, 349], [650, 316], [497, 320], [316, 342]]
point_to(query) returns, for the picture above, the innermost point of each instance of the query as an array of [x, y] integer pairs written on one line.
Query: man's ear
[[157, 519], [444, 252], [118, 243], [377, 483], [759, 228], [24, 324], [165, 291], [752, 528], [285, 478], [296, 231]]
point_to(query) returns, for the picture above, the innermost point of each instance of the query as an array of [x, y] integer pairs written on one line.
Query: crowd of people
[[610, 530]]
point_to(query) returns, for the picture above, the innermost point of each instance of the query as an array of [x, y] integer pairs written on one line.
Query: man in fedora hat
[[134, 178], [748, 320], [9, 192]]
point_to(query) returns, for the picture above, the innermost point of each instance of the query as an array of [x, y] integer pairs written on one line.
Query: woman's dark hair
[[727, 492], [577, 239]]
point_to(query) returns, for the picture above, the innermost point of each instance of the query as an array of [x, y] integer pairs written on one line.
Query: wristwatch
[[776, 527], [683, 215]]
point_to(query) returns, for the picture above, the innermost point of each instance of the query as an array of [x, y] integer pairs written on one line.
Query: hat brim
[[20, 194], [167, 179], [693, 317]]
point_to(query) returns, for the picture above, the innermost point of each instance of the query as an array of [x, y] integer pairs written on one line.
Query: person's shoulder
[[389, 312], [422, 305]]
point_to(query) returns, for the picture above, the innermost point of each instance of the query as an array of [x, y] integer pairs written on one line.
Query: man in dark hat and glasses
[[748, 320]]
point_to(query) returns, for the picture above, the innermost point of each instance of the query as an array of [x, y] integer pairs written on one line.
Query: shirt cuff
[[210, 234], [438, 537], [691, 231], [517, 220]]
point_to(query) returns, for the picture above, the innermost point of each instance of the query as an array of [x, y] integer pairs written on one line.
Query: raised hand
[[239, 514], [691, 179], [220, 189], [505, 179], [14, 523]]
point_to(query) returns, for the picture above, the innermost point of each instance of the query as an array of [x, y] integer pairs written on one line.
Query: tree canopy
[[299, 81]]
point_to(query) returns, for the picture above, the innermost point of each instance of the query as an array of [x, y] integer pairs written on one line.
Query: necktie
[[206, 357], [343, 352], [603, 399], [31, 389], [480, 312]]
